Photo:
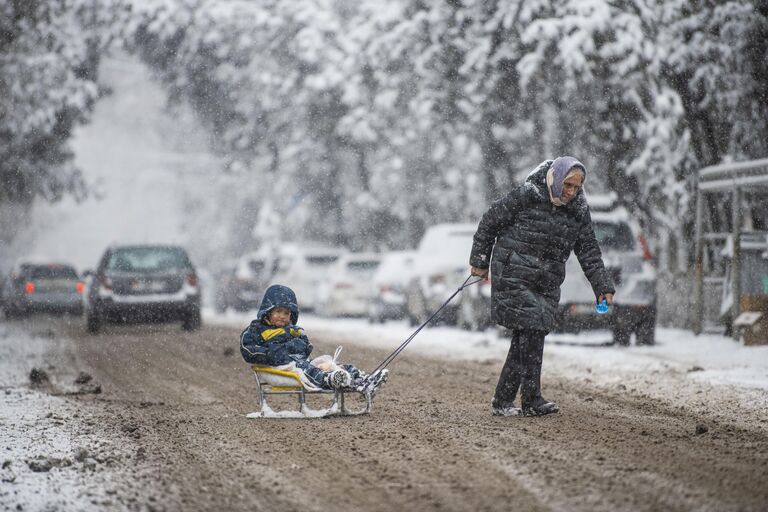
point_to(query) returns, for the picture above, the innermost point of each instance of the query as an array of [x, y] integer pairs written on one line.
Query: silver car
[[628, 258], [42, 287]]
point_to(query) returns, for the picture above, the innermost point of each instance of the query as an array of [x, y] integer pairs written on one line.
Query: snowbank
[[708, 359]]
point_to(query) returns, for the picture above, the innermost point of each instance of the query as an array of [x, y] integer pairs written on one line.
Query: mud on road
[[170, 411]]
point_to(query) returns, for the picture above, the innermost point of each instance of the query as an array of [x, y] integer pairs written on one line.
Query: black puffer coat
[[531, 241]]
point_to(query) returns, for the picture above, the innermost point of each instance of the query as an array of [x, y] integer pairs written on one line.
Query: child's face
[[279, 316]]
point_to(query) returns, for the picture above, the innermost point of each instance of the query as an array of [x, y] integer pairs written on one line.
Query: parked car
[[42, 287], [142, 284], [223, 283], [241, 283], [629, 260], [346, 291], [474, 312], [440, 266], [389, 284], [302, 269]]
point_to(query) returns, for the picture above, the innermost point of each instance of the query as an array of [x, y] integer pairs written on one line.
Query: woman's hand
[[607, 296], [478, 272]]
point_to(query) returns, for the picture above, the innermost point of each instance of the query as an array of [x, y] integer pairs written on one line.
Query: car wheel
[[191, 320], [93, 321], [646, 330], [621, 336]]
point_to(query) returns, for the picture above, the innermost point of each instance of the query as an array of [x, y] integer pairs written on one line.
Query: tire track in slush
[[430, 442]]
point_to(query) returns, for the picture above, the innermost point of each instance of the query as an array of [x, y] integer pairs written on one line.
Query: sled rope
[[391, 357]]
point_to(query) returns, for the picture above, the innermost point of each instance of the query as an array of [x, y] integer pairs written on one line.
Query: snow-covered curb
[[52, 455], [707, 359]]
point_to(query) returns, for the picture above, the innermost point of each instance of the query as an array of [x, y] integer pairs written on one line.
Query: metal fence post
[[698, 275]]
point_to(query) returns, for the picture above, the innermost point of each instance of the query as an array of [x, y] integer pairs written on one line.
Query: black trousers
[[522, 369]]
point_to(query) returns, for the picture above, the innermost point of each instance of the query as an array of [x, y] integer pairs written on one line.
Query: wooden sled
[[274, 381]]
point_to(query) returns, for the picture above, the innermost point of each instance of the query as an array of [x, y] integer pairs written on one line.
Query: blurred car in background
[[629, 260], [143, 284], [346, 291], [241, 283], [302, 269], [389, 284], [474, 311], [35, 287], [224, 284], [440, 266]]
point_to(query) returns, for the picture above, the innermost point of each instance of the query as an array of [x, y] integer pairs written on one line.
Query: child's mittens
[[278, 354], [297, 346]]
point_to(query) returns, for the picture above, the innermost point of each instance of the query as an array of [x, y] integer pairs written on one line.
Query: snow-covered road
[[168, 429]]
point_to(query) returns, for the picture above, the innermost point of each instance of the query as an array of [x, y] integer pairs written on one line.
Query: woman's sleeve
[[502, 213], [590, 258]]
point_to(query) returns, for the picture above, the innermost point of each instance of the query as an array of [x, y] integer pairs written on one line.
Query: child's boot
[[373, 382], [338, 379]]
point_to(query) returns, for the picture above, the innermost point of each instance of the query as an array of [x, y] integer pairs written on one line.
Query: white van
[[440, 266], [302, 269], [388, 286], [346, 290]]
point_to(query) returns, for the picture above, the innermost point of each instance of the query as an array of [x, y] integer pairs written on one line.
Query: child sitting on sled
[[274, 339]]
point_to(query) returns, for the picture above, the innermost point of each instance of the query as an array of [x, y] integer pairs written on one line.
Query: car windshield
[[362, 267], [616, 236], [320, 261], [451, 248], [52, 272], [256, 266], [148, 259]]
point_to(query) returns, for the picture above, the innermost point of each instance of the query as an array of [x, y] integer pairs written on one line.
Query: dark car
[[42, 287], [143, 284]]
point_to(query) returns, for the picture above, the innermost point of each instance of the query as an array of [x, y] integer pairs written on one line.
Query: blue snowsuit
[[264, 343]]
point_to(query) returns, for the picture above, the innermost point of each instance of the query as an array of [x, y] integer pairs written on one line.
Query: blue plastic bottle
[[602, 307]]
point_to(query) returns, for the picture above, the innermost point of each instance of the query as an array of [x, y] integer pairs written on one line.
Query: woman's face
[[571, 186], [279, 317]]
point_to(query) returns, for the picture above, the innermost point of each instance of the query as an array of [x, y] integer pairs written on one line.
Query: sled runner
[[289, 380]]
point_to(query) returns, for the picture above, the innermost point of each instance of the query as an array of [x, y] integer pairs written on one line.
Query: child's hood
[[278, 295]]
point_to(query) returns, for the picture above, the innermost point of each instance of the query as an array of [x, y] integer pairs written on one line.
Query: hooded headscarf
[[558, 172]]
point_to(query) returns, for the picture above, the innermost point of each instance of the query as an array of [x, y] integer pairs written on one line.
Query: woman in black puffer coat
[[525, 238]]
